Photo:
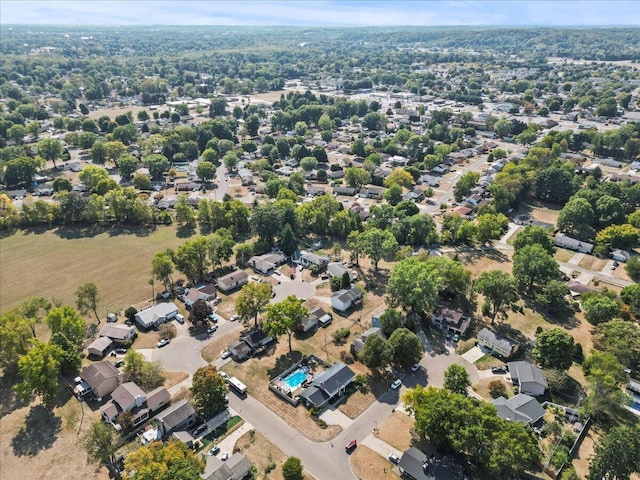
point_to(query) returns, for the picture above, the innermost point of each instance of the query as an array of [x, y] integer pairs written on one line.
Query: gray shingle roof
[[524, 372], [521, 408]]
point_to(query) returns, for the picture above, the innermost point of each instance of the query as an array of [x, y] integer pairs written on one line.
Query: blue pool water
[[636, 406], [294, 380]]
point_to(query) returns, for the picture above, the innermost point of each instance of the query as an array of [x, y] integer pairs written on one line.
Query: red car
[[351, 446]]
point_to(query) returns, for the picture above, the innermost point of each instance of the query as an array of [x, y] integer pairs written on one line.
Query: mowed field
[[52, 264]]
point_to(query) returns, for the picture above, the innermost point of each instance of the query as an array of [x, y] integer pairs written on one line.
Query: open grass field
[[397, 430], [52, 264]]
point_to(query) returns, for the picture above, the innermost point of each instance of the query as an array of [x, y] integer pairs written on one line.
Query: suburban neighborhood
[[319, 260]]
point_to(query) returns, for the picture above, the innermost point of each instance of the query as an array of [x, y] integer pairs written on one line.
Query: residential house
[[130, 398], [267, 263], [430, 180], [328, 385], [372, 192], [335, 174], [315, 191], [99, 346], [361, 211], [236, 467], [233, 280], [345, 191], [529, 378], [620, 255], [192, 297], [620, 177], [252, 343], [153, 316], [179, 416], [344, 299], [452, 321], [440, 169], [521, 408], [119, 333], [246, 176], [497, 343], [337, 269], [576, 288], [357, 345], [462, 211], [284, 171], [101, 377], [321, 317], [313, 260], [565, 241], [415, 465]]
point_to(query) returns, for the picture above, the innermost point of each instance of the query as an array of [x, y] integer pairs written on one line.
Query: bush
[[497, 389], [269, 467], [346, 357], [292, 469], [340, 336], [130, 313]]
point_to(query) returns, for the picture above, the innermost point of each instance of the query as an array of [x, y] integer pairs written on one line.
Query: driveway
[[473, 355]]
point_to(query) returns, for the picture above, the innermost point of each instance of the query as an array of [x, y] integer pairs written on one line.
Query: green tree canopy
[[413, 286], [101, 442], [284, 317], [554, 349], [533, 268], [377, 353], [148, 375], [617, 454], [158, 461], [292, 469], [253, 300], [499, 291], [456, 379], [87, 299], [208, 392], [407, 348], [39, 369]]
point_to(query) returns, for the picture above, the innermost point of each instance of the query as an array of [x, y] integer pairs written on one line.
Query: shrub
[[497, 389], [269, 467], [292, 469], [130, 313], [346, 357], [340, 336]]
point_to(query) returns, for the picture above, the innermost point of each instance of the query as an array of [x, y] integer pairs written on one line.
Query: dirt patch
[[44, 444], [366, 463], [174, 378], [261, 452], [481, 261], [214, 348], [146, 340], [397, 430], [586, 450], [593, 263], [563, 255]]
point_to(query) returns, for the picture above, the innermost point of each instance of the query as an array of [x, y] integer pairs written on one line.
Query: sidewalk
[[380, 447]]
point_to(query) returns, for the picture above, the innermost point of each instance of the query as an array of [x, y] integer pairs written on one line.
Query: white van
[[179, 318]]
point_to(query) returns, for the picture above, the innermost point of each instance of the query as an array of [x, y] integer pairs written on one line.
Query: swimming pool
[[295, 379]]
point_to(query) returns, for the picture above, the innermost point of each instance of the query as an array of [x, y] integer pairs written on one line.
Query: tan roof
[[98, 372], [126, 393]]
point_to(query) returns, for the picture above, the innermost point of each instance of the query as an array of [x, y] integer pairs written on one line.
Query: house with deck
[[328, 385]]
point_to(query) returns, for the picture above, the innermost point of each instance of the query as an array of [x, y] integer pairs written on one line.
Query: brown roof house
[[129, 397], [178, 417], [449, 320], [102, 378], [233, 280], [99, 346]]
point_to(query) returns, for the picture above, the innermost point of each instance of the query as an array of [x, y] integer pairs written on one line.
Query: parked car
[[393, 458], [199, 429], [212, 329], [214, 450], [213, 317], [121, 351], [224, 457], [163, 342], [396, 384], [225, 354], [456, 337], [224, 375], [415, 367], [254, 278], [234, 318], [277, 272], [179, 318], [498, 370], [351, 446], [118, 363]]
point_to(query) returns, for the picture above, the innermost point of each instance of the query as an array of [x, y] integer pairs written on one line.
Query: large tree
[[253, 300], [456, 379], [377, 353], [67, 332], [148, 375], [39, 369], [554, 349], [378, 245], [499, 291], [158, 461], [533, 268], [191, 258], [87, 299], [101, 442], [413, 285], [208, 391], [206, 171], [576, 218], [15, 339], [162, 269], [599, 308], [50, 149], [284, 317], [621, 339], [407, 348], [199, 314], [456, 423], [220, 247], [617, 454], [534, 235]]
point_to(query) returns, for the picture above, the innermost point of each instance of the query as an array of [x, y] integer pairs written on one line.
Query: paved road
[[222, 182]]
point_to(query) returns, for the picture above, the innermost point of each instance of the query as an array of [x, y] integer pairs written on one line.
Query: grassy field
[[54, 263]]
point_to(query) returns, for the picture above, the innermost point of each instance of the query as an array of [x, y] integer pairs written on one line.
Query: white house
[[620, 255], [308, 260], [153, 316], [344, 299], [118, 332]]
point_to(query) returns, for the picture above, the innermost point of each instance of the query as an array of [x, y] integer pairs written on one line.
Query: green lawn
[[54, 263]]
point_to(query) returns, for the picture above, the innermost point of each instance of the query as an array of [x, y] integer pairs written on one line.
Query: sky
[[323, 12]]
